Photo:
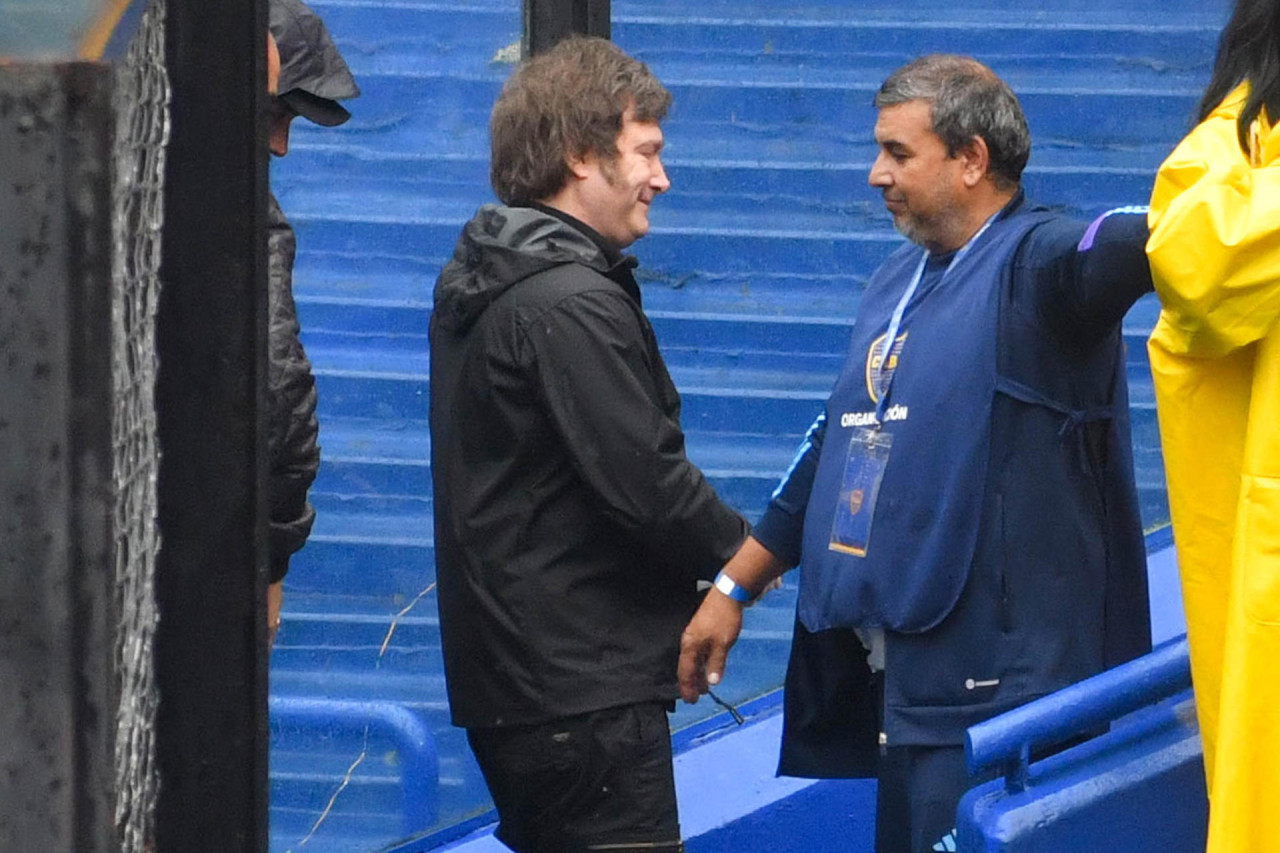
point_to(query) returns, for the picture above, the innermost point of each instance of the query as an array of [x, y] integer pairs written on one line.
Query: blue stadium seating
[[751, 275]]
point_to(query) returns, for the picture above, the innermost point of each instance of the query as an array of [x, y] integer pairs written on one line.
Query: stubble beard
[[932, 232], [908, 226]]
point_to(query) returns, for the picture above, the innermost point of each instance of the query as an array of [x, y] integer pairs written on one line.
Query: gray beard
[[908, 228]]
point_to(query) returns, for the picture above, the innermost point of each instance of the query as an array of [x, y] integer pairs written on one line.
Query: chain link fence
[[141, 96]]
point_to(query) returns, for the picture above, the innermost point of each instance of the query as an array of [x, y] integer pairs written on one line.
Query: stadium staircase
[[751, 275]]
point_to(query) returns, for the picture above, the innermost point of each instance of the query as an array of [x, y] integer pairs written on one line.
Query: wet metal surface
[[56, 591]]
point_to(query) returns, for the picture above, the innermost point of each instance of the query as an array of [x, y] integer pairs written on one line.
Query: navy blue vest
[[926, 520]]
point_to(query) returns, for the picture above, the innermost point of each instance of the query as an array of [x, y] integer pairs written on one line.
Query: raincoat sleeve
[[603, 385], [1215, 239]]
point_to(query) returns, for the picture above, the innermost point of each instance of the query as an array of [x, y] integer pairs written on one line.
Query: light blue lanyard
[[895, 321]]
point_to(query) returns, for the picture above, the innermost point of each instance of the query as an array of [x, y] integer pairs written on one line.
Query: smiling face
[[613, 196], [923, 187]]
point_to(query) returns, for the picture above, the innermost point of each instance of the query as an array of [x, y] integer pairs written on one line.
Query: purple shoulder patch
[[1091, 233]]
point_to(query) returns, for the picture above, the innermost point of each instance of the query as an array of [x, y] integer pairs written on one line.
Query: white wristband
[[729, 587]]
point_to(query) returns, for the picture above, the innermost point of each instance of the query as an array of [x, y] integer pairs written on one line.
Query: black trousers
[[596, 782]]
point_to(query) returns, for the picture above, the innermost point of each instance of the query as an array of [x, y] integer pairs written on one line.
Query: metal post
[[548, 21], [57, 613], [211, 339]]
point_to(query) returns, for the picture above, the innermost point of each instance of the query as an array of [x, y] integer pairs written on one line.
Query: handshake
[[705, 643]]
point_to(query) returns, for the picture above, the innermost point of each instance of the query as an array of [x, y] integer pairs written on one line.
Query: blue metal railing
[[416, 746], [1009, 739]]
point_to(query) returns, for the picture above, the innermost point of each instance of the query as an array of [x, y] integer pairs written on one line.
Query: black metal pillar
[[548, 21], [211, 338], [57, 586]]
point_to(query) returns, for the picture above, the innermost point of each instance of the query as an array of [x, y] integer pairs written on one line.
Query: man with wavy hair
[[571, 529]]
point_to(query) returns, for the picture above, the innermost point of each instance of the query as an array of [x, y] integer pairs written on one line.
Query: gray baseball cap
[[313, 75]]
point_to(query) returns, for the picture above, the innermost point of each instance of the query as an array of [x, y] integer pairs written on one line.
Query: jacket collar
[[619, 265]]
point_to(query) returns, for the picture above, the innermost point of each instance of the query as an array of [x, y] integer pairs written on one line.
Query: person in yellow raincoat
[[1215, 355]]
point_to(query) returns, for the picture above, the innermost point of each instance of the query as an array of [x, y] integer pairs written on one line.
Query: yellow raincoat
[[1215, 356]]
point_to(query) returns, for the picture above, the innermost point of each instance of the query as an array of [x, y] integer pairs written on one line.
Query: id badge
[[860, 488]]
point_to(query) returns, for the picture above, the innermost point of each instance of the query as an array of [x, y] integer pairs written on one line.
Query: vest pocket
[[1258, 545], [1003, 555]]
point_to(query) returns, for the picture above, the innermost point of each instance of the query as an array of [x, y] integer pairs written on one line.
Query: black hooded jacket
[[292, 429], [571, 529]]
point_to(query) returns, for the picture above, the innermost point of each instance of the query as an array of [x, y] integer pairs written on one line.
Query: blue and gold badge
[[879, 374]]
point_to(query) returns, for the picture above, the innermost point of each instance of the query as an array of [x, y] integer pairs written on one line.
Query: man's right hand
[[705, 644], [714, 629]]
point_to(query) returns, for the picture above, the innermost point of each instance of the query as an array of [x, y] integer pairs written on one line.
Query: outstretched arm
[[1084, 279]]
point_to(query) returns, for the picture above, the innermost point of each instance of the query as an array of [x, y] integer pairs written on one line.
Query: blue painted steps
[[751, 275], [320, 655]]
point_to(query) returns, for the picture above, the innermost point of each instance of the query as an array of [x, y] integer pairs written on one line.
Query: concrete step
[[714, 196], [336, 282], [304, 778], [333, 645], [978, 12], [718, 199], [717, 404], [350, 249], [384, 557], [417, 112], [339, 292], [335, 321], [375, 35], [743, 468], [720, 361], [697, 164], [337, 331], [1006, 44], [415, 39]]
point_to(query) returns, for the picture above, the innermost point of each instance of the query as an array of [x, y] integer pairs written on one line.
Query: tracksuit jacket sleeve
[[781, 530], [611, 400], [1085, 279]]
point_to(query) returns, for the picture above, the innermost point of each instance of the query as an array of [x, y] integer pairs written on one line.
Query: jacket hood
[[499, 247]]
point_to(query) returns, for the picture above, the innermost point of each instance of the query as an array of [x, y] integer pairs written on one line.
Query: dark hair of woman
[[1249, 50]]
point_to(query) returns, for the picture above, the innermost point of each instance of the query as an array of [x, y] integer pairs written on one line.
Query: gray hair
[[966, 100]]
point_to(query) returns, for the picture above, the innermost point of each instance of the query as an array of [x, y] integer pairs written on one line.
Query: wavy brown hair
[[566, 103]]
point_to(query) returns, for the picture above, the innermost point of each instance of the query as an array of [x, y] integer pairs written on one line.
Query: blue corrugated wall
[[752, 274]]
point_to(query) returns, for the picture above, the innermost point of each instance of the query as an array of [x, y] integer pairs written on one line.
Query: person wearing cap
[[313, 76], [305, 76]]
